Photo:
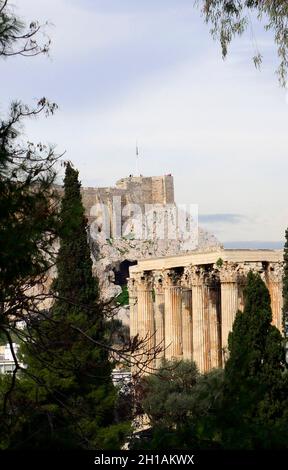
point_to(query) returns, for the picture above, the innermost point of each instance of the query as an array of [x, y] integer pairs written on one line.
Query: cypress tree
[[68, 395], [255, 385]]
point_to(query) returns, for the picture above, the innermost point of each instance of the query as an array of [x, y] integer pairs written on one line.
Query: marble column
[[214, 321], [187, 331], [241, 288], [145, 317], [173, 320], [229, 302], [133, 303], [274, 280], [159, 309], [200, 349]]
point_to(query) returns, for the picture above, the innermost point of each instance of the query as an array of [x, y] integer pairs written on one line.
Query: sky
[[149, 71]]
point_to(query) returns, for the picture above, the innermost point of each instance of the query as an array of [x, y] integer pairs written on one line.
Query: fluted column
[[274, 281], [214, 318], [145, 317], [229, 301], [200, 349], [133, 303], [173, 320], [187, 330], [159, 309], [241, 289]]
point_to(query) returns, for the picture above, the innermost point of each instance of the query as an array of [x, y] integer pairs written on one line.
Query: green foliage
[[28, 219], [67, 393], [219, 262], [123, 297], [74, 264], [232, 18], [65, 398], [255, 392], [28, 210], [181, 405], [243, 407], [168, 397], [256, 346]]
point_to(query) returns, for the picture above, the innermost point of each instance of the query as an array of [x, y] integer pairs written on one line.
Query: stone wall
[[132, 190]]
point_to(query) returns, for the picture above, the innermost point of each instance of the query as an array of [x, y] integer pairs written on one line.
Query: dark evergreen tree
[[243, 407], [28, 201], [254, 412], [41, 408], [168, 397], [180, 404], [67, 393]]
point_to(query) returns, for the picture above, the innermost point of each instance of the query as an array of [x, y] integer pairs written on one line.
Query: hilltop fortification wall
[[131, 190]]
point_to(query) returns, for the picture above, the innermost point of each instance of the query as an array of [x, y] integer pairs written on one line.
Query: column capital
[[144, 281], [132, 286], [171, 278], [244, 269], [228, 272], [197, 275], [186, 279], [158, 283], [211, 278], [275, 272]]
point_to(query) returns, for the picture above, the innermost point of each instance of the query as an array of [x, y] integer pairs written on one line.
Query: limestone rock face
[[108, 254]]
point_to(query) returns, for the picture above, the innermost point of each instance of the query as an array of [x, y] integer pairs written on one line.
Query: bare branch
[[16, 39]]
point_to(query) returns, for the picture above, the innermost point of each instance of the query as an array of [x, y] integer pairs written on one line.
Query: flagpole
[[137, 160]]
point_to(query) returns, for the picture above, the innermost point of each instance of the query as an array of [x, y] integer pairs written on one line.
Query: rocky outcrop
[[108, 254]]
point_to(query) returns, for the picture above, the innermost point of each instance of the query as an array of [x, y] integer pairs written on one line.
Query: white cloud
[[220, 128]]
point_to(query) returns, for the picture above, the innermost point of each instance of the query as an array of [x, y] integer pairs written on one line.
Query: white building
[[7, 364]]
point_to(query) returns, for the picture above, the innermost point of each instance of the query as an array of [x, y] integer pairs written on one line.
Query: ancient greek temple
[[188, 303]]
